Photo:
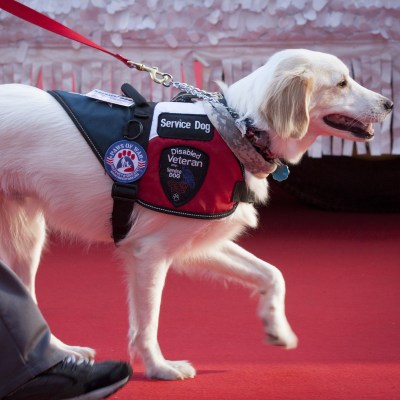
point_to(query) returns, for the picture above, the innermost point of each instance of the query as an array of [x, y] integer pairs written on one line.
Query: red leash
[[34, 17]]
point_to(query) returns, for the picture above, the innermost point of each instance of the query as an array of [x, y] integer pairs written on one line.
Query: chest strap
[[125, 194]]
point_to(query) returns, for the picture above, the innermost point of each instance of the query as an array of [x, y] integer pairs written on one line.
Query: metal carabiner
[[157, 76]]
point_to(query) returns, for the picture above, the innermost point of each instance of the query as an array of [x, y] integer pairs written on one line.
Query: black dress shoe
[[71, 379]]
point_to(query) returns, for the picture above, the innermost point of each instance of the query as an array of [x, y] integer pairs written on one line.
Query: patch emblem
[[182, 173], [125, 161], [185, 126]]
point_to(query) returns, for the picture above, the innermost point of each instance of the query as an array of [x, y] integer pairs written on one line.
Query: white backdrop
[[229, 38]]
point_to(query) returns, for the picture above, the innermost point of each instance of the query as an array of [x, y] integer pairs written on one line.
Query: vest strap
[[125, 194], [242, 193]]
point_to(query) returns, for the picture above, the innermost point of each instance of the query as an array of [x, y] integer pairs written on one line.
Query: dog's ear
[[286, 104]]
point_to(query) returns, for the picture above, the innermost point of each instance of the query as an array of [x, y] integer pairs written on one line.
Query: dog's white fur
[[50, 177]]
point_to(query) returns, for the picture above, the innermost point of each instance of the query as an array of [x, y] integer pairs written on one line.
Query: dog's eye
[[342, 84]]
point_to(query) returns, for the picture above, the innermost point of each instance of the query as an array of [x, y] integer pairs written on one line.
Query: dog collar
[[251, 146], [261, 143]]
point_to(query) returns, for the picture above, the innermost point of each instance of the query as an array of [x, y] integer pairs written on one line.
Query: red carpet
[[343, 296]]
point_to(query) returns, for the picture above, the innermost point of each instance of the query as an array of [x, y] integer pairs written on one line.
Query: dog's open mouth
[[356, 127]]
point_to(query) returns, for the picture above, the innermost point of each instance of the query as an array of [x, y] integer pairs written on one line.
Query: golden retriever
[[50, 177]]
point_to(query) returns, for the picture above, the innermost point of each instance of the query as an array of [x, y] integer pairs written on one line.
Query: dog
[[50, 179]]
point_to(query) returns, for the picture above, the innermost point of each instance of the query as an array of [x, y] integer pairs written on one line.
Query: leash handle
[[36, 18]]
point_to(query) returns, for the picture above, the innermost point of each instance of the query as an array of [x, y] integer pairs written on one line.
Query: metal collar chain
[[213, 97]]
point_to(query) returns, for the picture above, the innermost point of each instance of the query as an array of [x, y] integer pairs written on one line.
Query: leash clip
[[157, 76]]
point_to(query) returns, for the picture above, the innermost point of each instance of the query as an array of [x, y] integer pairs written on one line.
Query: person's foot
[[71, 379]]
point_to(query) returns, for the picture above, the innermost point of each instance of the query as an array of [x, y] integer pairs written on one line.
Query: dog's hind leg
[[22, 238], [146, 282], [232, 263]]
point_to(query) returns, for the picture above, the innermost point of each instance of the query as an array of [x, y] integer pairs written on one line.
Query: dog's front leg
[[147, 278], [232, 262]]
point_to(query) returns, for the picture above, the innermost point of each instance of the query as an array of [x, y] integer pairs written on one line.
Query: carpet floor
[[342, 272]]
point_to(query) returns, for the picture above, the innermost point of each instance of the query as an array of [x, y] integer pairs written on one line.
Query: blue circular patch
[[125, 161]]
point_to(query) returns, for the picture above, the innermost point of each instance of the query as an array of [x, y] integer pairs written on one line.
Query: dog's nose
[[388, 105]]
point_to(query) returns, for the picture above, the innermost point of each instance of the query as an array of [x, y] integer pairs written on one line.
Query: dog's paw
[[172, 371], [289, 342], [79, 352], [184, 367], [283, 337]]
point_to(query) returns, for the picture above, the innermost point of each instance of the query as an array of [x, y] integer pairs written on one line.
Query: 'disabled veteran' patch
[[182, 172]]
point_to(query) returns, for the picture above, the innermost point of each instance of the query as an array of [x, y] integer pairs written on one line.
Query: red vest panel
[[191, 171]]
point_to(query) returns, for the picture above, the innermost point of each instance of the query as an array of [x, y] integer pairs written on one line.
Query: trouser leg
[[25, 349]]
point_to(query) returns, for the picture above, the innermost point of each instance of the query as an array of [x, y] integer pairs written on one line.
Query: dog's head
[[300, 94]]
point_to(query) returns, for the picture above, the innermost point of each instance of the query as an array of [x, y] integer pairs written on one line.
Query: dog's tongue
[[345, 123]]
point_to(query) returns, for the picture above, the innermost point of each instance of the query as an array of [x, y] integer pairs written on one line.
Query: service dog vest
[[189, 170]]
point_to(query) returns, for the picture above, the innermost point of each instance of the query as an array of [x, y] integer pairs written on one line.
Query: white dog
[[50, 177]]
